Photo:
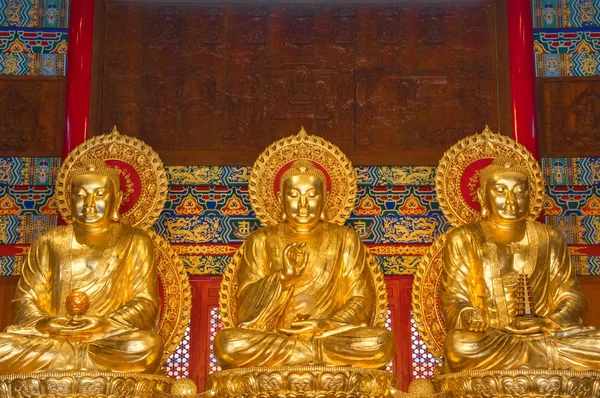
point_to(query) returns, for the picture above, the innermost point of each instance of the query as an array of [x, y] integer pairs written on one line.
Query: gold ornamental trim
[[302, 381], [143, 177], [517, 383], [457, 176], [205, 249], [425, 299], [229, 290], [398, 250], [83, 384], [177, 295], [263, 184]]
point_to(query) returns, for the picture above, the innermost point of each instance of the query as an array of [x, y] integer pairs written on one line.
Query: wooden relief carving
[[215, 84], [32, 116], [570, 117]]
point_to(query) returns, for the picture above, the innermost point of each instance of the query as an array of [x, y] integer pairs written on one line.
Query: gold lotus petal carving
[[306, 381], [517, 383]]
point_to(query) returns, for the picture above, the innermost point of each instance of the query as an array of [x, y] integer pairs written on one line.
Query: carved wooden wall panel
[[569, 110], [32, 115], [215, 84]]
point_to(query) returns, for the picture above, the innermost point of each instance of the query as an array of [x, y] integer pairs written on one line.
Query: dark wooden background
[[569, 113], [32, 111], [214, 84]]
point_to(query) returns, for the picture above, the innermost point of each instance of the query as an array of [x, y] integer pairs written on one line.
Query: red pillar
[[79, 67], [522, 73]]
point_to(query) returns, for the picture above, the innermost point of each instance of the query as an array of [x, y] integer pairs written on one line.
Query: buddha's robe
[[333, 287], [473, 279], [124, 291]]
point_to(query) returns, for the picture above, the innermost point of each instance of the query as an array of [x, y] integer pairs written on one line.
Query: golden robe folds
[[333, 287], [476, 278], [122, 286]]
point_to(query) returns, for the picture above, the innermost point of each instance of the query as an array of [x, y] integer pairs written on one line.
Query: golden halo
[[177, 295], [280, 155], [143, 177], [425, 299], [457, 176]]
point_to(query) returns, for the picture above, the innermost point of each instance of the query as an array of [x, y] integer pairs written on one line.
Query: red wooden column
[[79, 67], [522, 73]]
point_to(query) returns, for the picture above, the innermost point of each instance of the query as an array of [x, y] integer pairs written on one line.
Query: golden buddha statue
[[304, 295], [509, 294], [496, 299], [88, 295]]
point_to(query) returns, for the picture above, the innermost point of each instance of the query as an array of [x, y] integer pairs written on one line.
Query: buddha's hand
[[52, 325], [294, 262], [312, 327], [473, 321], [529, 325], [67, 327]]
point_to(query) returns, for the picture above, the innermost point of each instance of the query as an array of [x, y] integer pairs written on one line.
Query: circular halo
[[459, 168], [177, 295], [143, 177], [425, 299], [268, 168]]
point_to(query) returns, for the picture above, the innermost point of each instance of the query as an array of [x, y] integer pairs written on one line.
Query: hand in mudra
[[529, 325], [294, 262], [67, 327], [473, 321]]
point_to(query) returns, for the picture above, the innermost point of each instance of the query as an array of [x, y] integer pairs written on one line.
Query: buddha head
[[303, 193], [504, 191], [95, 194]]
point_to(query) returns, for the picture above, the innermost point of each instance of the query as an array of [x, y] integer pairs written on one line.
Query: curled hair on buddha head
[[498, 165], [100, 168]]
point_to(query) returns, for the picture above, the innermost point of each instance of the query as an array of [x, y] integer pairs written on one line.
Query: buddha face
[[93, 199], [303, 200], [507, 196]]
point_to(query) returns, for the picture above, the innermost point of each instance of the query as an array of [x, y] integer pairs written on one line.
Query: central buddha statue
[[88, 295], [304, 296], [509, 295]]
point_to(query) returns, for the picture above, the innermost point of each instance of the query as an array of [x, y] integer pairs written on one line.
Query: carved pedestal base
[[520, 383], [302, 381], [83, 384]]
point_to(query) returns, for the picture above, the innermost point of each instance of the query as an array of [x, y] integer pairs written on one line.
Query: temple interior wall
[[210, 85]]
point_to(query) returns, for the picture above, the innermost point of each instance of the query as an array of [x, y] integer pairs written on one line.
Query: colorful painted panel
[[239, 175], [11, 265], [577, 230], [566, 13], [563, 53], [208, 213], [571, 171], [586, 265], [28, 171], [23, 200], [31, 52], [42, 171], [572, 201], [23, 229], [34, 13]]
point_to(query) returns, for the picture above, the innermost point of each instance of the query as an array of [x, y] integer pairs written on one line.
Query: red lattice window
[[213, 328], [178, 364], [423, 363]]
